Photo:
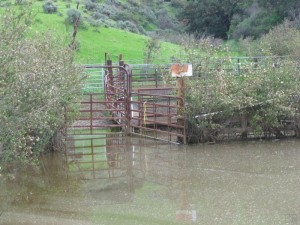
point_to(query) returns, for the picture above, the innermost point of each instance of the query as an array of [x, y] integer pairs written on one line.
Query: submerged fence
[[241, 98], [208, 123]]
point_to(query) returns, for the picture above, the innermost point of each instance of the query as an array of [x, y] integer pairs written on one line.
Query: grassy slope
[[94, 42]]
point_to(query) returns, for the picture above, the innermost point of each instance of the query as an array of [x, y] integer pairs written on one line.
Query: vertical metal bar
[[65, 127], [93, 160], [180, 105], [121, 75], [103, 78], [126, 113], [139, 111], [238, 66], [169, 118], [129, 164], [255, 60], [155, 111], [184, 127], [91, 114], [156, 78], [129, 94], [110, 72]]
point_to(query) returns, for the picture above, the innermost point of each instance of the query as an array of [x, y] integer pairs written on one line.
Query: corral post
[[109, 63], [109, 90], [156, 78], [180, 71], [238, 67], [180, 107], [121, 73], [125, 86], [244, 125]]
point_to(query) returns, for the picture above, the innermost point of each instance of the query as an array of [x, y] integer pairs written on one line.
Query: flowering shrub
[[263, 89], [38, 78]]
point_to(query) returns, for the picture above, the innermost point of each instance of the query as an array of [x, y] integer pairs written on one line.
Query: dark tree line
[[228, 19]]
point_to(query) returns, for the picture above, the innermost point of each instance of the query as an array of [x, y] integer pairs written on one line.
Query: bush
[[21, 2], [253, 22], [261, 91], [73, 16], [90, 5], [134, 3], [128, 25], [49, 7], [38, 79], [108, 10], [282, 40], [164, 21], [148, 14], [152, 49], [122, 15], [178, 4], [97, 15]]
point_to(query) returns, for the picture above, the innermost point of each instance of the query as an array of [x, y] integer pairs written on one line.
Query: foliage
[[165, 21], [73, 16], [90, 5], [210, 17], [49, 7], [127, 25], [237, 18], [265, 89], [253, 21], [152, 49], [282, 40], [135, 16], [37, 80]]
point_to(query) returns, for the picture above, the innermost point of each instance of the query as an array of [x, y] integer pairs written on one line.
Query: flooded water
[[143, 182]]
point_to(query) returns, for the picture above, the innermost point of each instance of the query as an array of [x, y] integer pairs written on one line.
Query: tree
[[210, 17], [253, 20], [38, 78], [280, 6], [151, 50]]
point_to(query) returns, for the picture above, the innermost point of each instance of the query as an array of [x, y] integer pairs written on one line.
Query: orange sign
[[181, 70]]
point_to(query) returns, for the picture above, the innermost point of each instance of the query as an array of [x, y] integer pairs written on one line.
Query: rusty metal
[[96, 143], [148, 76], [117, 86], [180, 108], [156, 115], [131, 105], [96, 138], [97, 161]]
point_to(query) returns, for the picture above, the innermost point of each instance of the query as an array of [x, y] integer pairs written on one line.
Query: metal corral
[[132, 102]]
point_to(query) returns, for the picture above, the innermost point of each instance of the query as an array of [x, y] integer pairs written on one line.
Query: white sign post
[[180, 71]]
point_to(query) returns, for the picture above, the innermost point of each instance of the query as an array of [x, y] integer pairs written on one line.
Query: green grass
[[96, 41]]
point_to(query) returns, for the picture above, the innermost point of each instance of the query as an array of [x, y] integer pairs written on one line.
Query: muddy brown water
[[255, 182]]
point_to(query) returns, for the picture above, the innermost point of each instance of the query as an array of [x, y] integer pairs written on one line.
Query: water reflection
[[139, 181]]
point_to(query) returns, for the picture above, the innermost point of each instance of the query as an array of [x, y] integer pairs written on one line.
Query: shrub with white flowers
[[38, 78]]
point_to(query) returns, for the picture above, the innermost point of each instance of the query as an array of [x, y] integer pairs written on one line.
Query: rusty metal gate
[[137, 104], [154, 114], [96, 144], [154, 105]]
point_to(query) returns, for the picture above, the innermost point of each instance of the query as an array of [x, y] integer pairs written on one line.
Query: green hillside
[[94, 42]]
